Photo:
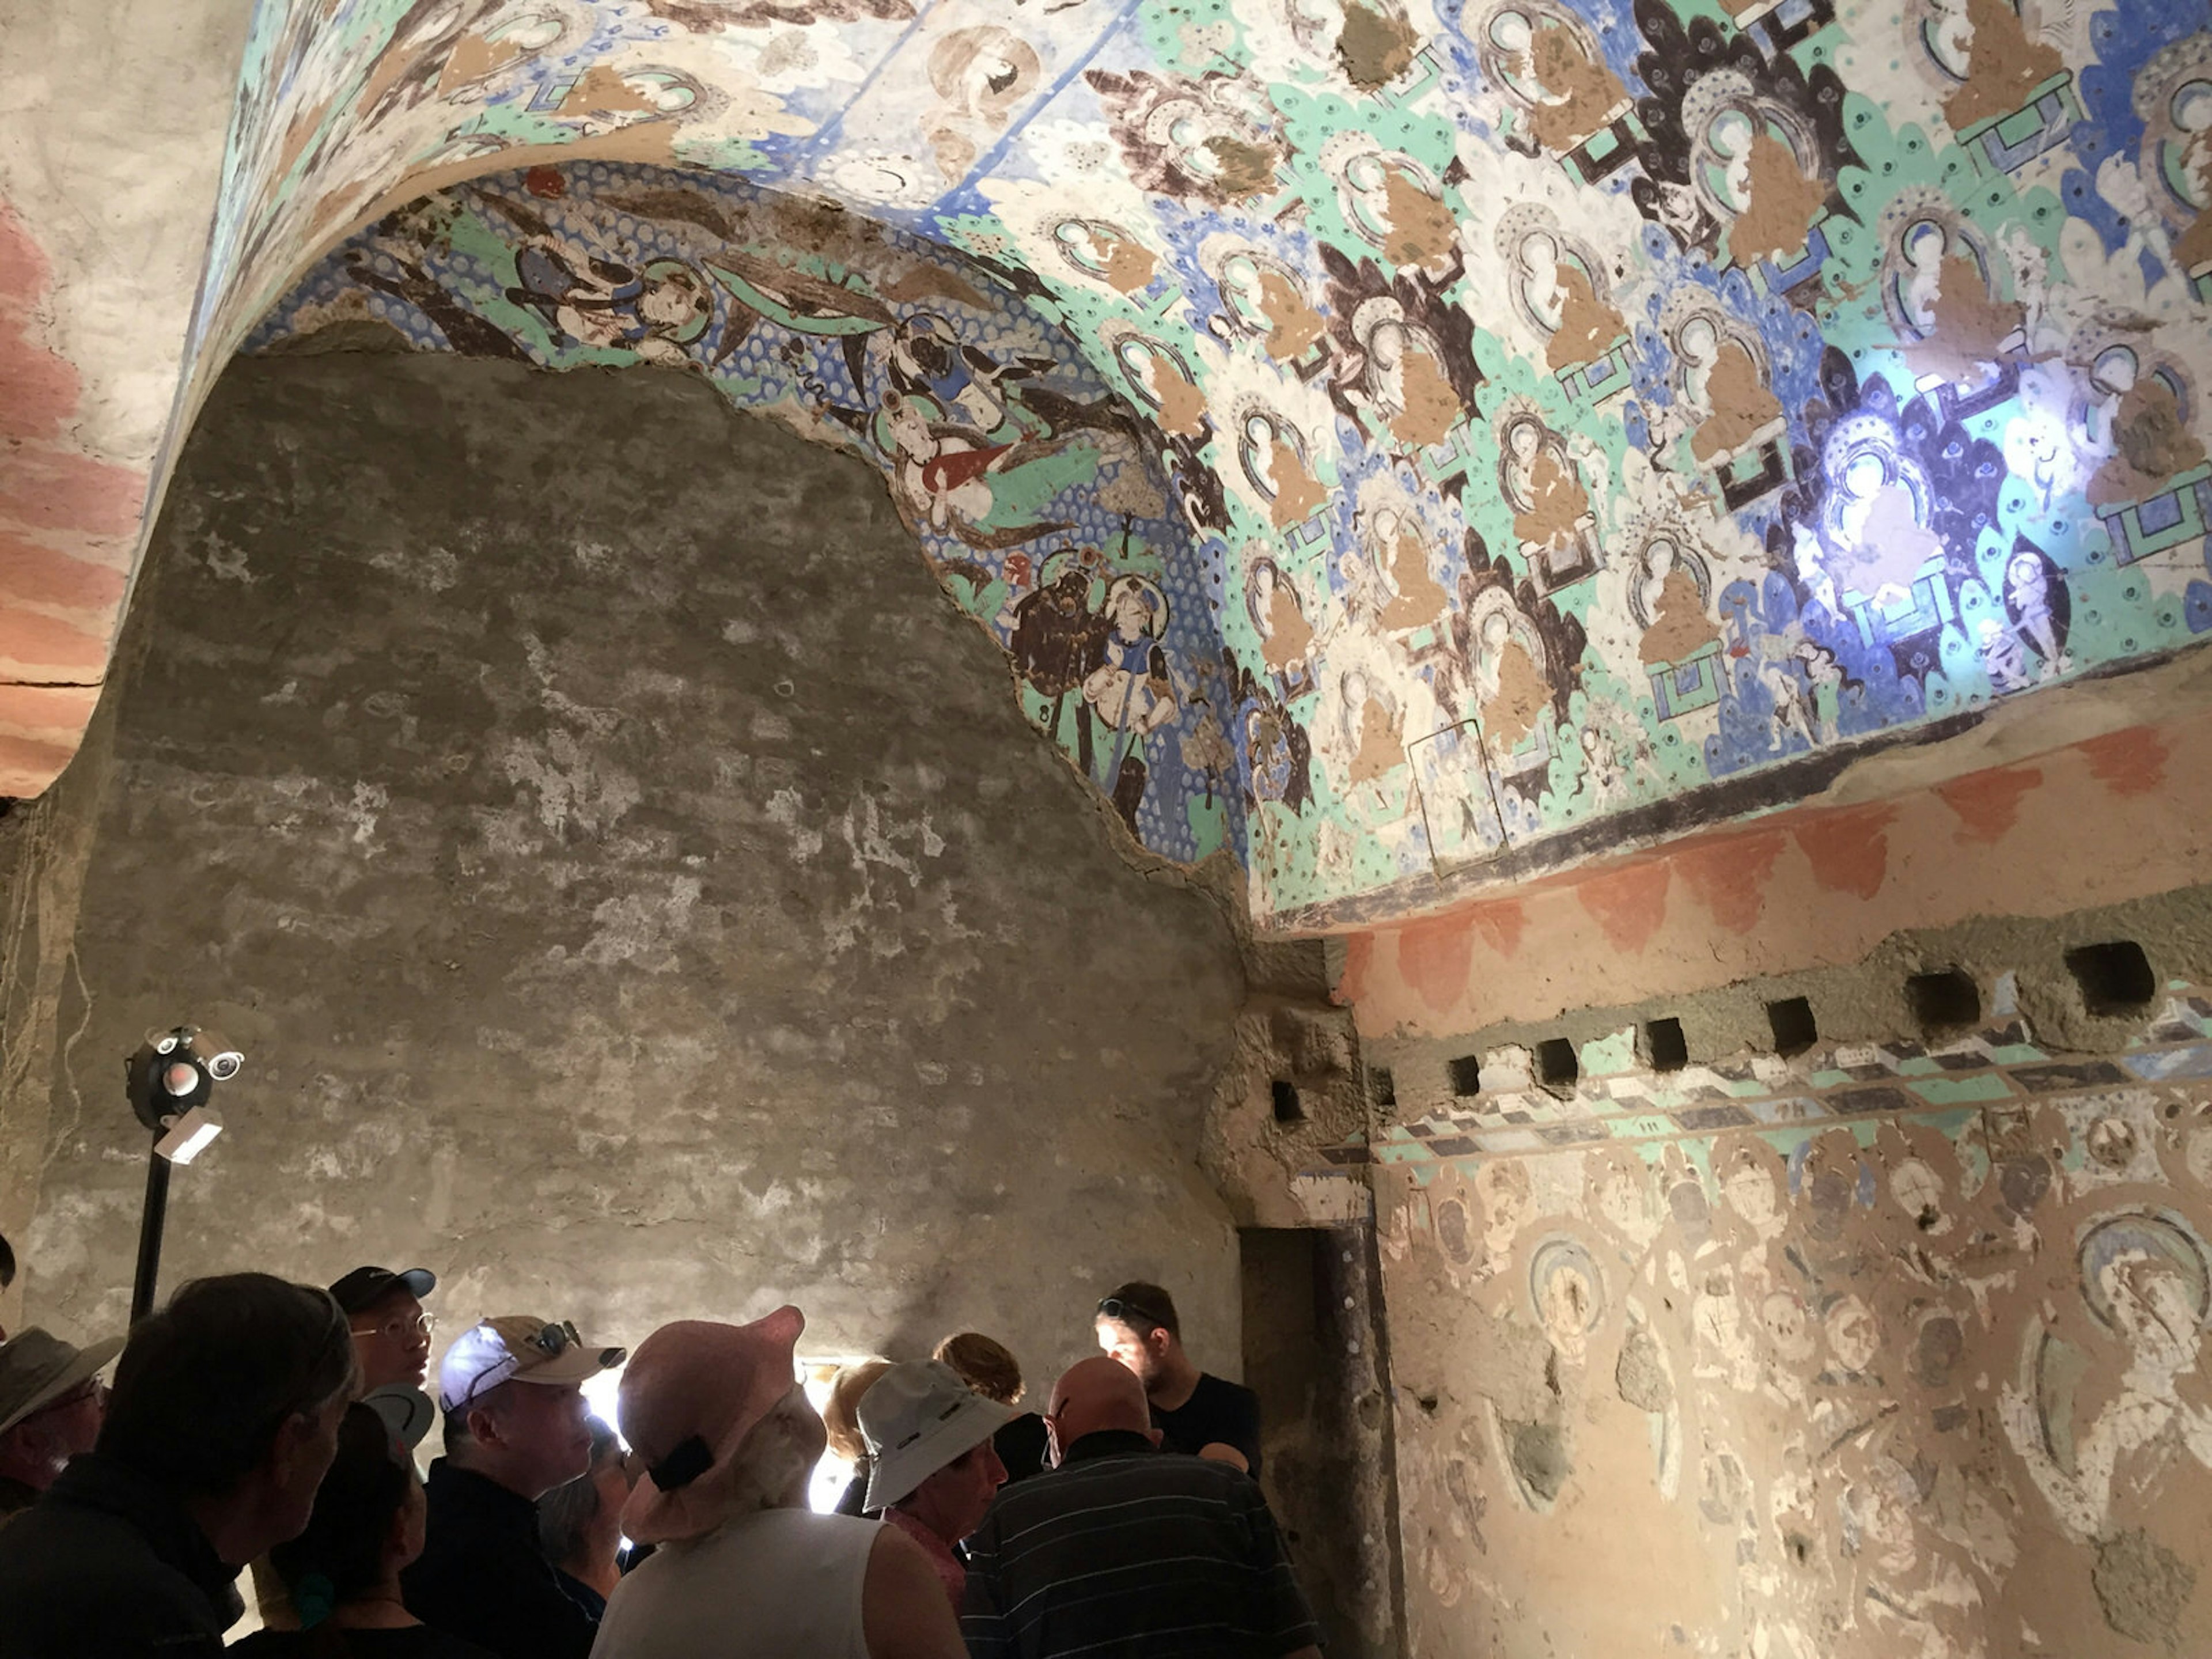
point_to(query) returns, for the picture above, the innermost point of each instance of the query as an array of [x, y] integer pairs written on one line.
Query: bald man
[[1097, 1396], [1123, 1548]]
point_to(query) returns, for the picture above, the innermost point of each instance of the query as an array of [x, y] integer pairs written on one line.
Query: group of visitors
[[257, 1422]]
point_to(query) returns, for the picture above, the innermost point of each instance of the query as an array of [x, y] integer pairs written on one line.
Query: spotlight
[[174, 1071], [190, 1136], [169, 1081]]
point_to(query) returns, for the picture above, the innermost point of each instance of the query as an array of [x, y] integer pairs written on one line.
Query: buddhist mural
[[1880, 1352], [1570, 416]]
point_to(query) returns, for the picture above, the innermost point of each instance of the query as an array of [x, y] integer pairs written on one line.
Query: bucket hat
[[38, 1368], [917, 1419]]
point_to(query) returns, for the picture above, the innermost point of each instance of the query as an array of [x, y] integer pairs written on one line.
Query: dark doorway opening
[[1311, 1352]]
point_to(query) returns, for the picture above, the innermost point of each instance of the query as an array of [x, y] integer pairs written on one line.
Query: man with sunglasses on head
[[516, 1427], [391, 1332], [1194, 1411]]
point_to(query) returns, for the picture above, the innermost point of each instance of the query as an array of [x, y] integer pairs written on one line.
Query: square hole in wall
[[1466, 1075], [1793, 1025], [2114, 978], [1289, 1109], [1557, 1068], [1943, 1003], [1381, 1085], [1665, 1048]]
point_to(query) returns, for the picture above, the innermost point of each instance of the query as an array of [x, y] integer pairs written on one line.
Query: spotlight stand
[[169, 1080], [152, 1217]]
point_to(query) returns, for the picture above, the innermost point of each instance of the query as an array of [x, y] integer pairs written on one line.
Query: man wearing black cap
[[391, 1332]]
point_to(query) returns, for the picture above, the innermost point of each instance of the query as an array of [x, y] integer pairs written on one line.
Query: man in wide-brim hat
[[50, 1405], [727, 1442]]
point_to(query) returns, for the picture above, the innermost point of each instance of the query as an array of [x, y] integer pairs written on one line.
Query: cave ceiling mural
[[1421, 440]]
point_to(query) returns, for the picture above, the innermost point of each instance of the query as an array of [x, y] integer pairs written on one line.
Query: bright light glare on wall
[[833, 1473], [599, 1395]]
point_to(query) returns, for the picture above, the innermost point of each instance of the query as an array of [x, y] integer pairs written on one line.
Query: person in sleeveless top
[[741, 1569]]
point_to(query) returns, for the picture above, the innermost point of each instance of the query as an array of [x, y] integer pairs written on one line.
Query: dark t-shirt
[[110, 1563], [1020, 1445], [1217, 1410], [482, 1575], [416, 1641]]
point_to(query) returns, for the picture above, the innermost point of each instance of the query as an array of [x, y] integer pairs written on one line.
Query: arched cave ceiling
[[1393, 439]]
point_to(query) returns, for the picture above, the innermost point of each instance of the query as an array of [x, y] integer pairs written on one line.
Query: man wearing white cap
[[741, 1568], [51, 1406], [932, 1469], [516, 1427]]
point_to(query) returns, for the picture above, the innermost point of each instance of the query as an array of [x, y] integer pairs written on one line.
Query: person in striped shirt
[[1122, 1549]]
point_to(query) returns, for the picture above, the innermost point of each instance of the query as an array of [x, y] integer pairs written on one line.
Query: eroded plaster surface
[[1576, 409], [631, 885]]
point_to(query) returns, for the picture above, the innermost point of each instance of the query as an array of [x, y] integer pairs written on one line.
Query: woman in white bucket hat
[[932, 1470]]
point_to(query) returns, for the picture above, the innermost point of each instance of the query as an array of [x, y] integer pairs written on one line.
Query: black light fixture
[[169, 1081]]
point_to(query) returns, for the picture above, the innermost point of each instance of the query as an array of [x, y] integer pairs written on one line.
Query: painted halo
[[1564, 1266], [2151, 1233]]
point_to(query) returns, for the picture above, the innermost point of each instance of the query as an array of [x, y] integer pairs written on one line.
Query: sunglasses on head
[[1128, 1312], [555, 1339]]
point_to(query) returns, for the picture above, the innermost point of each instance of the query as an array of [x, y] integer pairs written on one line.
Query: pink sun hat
[[694, 1390]]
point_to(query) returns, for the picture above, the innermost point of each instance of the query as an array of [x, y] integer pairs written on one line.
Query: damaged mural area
[[1038, 495], [1925, 1381]]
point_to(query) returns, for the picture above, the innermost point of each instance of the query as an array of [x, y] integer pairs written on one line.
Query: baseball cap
[[36, 1369], [917, 1419], [364, 1285], [517, 1348]]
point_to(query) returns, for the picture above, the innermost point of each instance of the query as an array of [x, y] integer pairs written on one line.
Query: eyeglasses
[[400, 1328], [91, 1389], [1129, 1314]]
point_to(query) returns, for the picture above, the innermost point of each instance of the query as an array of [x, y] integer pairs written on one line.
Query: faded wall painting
[[1584, 417], [1881, 1353]]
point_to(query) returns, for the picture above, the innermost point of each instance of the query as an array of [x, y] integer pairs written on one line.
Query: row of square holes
[[2115, 979]]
